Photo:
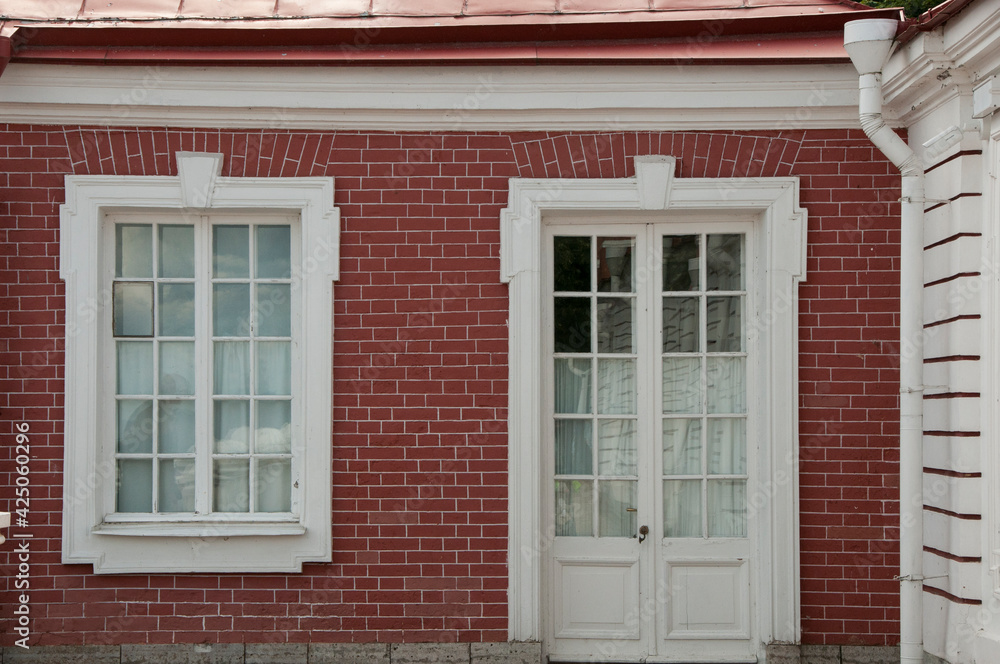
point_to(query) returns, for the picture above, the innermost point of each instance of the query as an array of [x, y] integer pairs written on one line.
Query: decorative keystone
[[654, 176], [198, 172]]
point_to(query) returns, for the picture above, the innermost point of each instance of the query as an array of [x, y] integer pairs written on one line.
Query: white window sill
[[200, 528]]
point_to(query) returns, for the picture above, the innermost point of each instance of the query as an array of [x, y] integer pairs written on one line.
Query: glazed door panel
[[648, 455]]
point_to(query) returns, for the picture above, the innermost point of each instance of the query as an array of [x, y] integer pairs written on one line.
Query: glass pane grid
[[594, 307], [702, 499], [160, 478], [154, 328], [251, 343]]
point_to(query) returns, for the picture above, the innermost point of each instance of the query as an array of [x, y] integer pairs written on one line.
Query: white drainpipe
[[868, 42]]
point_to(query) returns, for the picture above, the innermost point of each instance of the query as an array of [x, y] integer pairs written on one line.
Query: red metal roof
[[259, 32], [318, 12]]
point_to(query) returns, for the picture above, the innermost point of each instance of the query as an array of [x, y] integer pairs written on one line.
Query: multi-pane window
[[203, 323], [595, 358], [704, 420], [693, 289]]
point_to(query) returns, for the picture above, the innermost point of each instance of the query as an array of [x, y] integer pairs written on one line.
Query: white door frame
[[782, 235]]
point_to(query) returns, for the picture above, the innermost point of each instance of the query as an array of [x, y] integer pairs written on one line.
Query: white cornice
[[435, 98], [924, 72]]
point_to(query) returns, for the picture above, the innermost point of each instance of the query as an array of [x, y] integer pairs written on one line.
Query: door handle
[[643, 531]]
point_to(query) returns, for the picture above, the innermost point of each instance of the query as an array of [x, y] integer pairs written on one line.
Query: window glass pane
[[231, 310], [176, 310], [682, 447], [614, 264], [574, 508], [681, 324], [615, 387], [274, 252], [230, 252], [176, 427], [616, 448], [573, 385], [614, 324], [726, 385], [572, 325], [232, 427], [615, 499], [274, 485], [274, 427], [135, 485], [177, 252], [231, 367], [135, 367], [176, 485], [177, 367], [231, 485], [574, 447], [133, 309], [571, 264], [274, 367], [133, 250], [727, 446], [727, 508], [724, 259], [135, 426], [724, 327], [682, 508], [274, 310], [680, 263], [681, 385]]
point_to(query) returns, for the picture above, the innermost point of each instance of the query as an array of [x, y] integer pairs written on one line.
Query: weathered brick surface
[[420, 349]]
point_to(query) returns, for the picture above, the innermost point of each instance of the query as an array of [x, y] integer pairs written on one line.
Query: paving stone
[[430, 653], [783, 653], [61, 654], [277, 653], [506, 653], [869, 654], [933, 659], [820, 655], [183, 653], [348, 653]]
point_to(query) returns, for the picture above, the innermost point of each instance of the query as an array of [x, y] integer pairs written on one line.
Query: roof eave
[[452, 42]]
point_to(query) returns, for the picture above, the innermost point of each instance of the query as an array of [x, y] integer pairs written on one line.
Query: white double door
[[649, 453]]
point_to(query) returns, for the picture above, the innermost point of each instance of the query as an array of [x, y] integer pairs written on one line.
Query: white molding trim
[[774, 202], [923, 73], [197, 546], [990, 376], [435, 98]]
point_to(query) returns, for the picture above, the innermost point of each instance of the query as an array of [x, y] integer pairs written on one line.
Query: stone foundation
[[792, 654], [281, 653]]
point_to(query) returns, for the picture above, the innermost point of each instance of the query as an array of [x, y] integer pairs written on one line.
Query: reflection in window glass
[[574, 508], [680, 263], [160, 388], [724, 259], [572, 325], [615, 270]]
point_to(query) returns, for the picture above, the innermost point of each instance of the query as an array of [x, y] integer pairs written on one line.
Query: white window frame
[[230, 542], [781, 263]]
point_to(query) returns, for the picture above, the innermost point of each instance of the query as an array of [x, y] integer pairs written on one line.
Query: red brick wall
[[420, 372]]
